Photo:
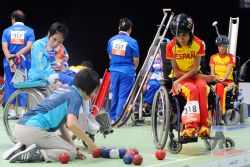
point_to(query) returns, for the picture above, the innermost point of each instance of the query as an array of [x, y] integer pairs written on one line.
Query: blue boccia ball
[[122, 152], [105, 152], [127, 159], [102, 148]]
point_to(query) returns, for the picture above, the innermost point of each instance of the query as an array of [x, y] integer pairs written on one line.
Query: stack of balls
[[132, 155], [129, 156]]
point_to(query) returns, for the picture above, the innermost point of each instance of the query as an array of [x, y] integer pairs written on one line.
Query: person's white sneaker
[[26, 155], [14, 150]]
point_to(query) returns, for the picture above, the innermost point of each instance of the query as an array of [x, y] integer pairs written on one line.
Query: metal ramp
[[134, 95]]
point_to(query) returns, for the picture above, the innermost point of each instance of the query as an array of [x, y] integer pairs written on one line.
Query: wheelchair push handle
[[16, 59], [243, 70], [13, 56]]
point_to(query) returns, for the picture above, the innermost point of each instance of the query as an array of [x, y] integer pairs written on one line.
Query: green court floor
[[139, 137]]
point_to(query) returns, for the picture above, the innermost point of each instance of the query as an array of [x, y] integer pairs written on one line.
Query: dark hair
[[18, 16], [87, 80], [58, 27], [87, 63], [125, 24]]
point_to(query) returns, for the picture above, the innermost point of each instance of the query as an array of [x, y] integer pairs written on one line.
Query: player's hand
[[13, 68], [209, 78], [80, 155], [57, 84], [12, 65], [63, 69], [176, 88]]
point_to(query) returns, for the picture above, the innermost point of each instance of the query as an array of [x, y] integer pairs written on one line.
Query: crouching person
[[36, 129]]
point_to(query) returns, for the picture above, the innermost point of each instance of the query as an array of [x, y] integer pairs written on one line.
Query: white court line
[[150, 155], [173, 161]]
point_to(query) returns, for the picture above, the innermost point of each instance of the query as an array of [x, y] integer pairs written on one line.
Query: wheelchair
[[235, 110], [166, 117], [35, 92]]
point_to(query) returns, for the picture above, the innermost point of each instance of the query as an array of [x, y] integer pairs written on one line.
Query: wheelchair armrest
[[167, 82], [30, 84], [164, 81]]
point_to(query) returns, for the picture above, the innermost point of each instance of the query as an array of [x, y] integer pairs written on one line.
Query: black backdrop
[[92, 22]]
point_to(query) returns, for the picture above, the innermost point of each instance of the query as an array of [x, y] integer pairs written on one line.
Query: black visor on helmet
[[222, 40], [181, 24]]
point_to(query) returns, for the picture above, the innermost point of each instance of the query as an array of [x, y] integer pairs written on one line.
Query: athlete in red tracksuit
[[185, 52], [221, 65]]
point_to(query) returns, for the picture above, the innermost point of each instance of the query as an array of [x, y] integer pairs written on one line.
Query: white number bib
[[119, 47], [17, 37], [191, 112]]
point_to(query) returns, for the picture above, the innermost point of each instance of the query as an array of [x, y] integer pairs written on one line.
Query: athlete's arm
[[25, 49], [66, 135], [177, 72], [136, 61], [212, 69], [76, 130], [6, 52], [190, 73], [229, 68]]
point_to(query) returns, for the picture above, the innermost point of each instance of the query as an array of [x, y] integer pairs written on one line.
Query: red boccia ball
[[64, 157], [96, 153], [135, 150], [137, 159], [160, 154], [131, 152]]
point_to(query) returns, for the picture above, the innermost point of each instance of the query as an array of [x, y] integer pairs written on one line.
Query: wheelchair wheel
[[243, 112], [160, 117], [174, 146], [33, 96], [135, 114], [228, 144], [231, 117]]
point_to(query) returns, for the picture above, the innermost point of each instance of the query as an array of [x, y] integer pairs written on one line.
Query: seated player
[[221, 65]]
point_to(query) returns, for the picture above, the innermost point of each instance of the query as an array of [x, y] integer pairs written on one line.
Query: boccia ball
[[135, 150], [122, 152], [160, 154], [96, 153], [127, 159], [131, 152], [137, 159], [114, 153], [105, 152], [64, 157]]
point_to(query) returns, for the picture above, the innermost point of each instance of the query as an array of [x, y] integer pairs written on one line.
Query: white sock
[[12, 113], [23, 112]]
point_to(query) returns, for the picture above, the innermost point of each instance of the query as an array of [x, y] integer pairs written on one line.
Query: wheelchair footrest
[[184, 140]]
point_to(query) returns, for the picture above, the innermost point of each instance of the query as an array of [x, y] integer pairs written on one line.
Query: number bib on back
[[17, 37], [119, 47], [191, 112]]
